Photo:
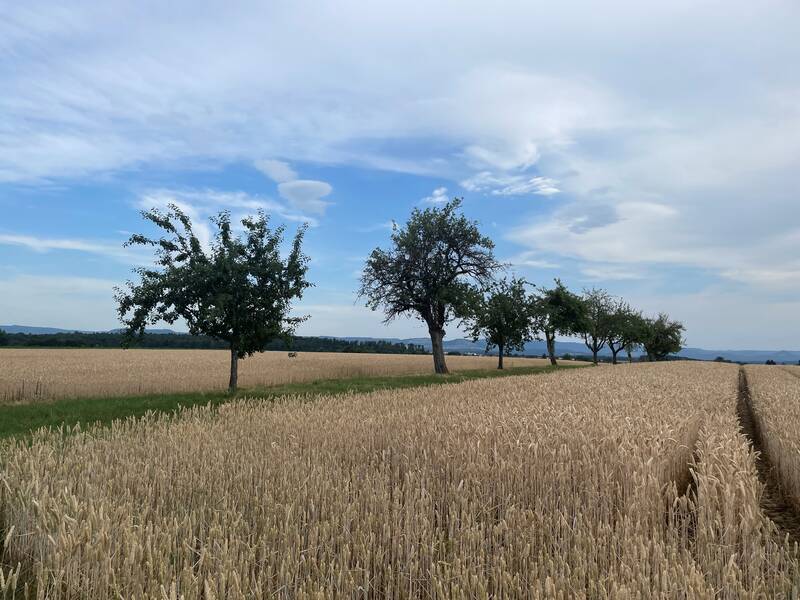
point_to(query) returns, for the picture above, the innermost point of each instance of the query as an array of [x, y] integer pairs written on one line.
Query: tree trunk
[[234, 380], [593, 346], [500, 356], [614, 356], [439, 364], [630, 357], [551, 347]]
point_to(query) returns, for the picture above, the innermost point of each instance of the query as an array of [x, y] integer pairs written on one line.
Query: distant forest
[[201, 342]]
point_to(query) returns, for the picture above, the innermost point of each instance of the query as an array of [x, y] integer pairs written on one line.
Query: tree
[[558, 312], [625, 330], [598, 322], [503, 317], [239, 290], [3, 338], [637, 325], [437, 264], [662, 337]]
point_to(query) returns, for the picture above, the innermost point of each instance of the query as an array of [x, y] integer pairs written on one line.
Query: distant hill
[[564, 347], [51, 330]]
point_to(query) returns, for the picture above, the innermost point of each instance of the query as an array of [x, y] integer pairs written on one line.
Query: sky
[[650, 148]]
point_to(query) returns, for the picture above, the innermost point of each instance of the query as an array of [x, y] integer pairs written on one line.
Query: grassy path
[[20, 419]]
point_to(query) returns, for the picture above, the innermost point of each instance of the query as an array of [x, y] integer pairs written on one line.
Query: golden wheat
[[568, 485], [27, 374], [776, 409]]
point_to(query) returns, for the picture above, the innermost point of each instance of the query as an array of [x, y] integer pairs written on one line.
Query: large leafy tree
[[558, 311], [598, 322], [504, 318], [662, 337], [239, 290], [435, 265]]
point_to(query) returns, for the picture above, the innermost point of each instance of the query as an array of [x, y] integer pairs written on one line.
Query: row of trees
[[441, 269], [508, 316]]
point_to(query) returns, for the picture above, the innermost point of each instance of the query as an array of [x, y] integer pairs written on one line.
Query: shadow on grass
[[21, 419]]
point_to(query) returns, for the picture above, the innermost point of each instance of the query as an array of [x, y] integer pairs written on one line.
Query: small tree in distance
[[598, 320], [626, 330], [662, 337], [239, 291], [504, 318], [558, 312], [437, 263]]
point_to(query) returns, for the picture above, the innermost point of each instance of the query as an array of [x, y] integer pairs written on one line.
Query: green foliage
[[438, 263], [239, 290], [598, 321], [504, 317], [557, 311], [626, 330], [662, 337], [3, 338]]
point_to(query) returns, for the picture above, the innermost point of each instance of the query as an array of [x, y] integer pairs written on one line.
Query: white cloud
[[604, 273], [510, 185], [306, 195], [531, 260], [276, 170], [438, 196], [42, 244]]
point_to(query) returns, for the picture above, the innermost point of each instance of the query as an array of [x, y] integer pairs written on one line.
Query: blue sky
[[649, 148]]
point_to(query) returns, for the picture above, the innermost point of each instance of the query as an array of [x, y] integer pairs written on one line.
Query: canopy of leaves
[[558, 310], [437, 263], [626, 328], [504, 316], [239, 290], [662, 337]]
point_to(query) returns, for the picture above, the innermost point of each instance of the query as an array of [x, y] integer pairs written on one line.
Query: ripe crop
[[632, 481], [43, 374]]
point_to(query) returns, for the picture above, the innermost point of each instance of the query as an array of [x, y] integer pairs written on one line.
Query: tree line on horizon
[[439, 268], [185, 341]]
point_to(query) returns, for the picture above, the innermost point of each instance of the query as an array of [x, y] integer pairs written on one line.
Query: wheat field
[[625, 482], [41, 374], [776, 410]]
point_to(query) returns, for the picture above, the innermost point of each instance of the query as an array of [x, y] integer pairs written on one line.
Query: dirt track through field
[[774, 504]]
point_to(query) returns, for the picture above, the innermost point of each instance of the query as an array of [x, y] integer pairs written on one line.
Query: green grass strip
[[21, 419]]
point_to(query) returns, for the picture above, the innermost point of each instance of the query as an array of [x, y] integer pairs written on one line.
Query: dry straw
[[776, 410], [569, 485]]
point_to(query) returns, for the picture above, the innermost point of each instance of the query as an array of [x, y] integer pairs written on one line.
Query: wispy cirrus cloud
[[510, 185], [113, 250]]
